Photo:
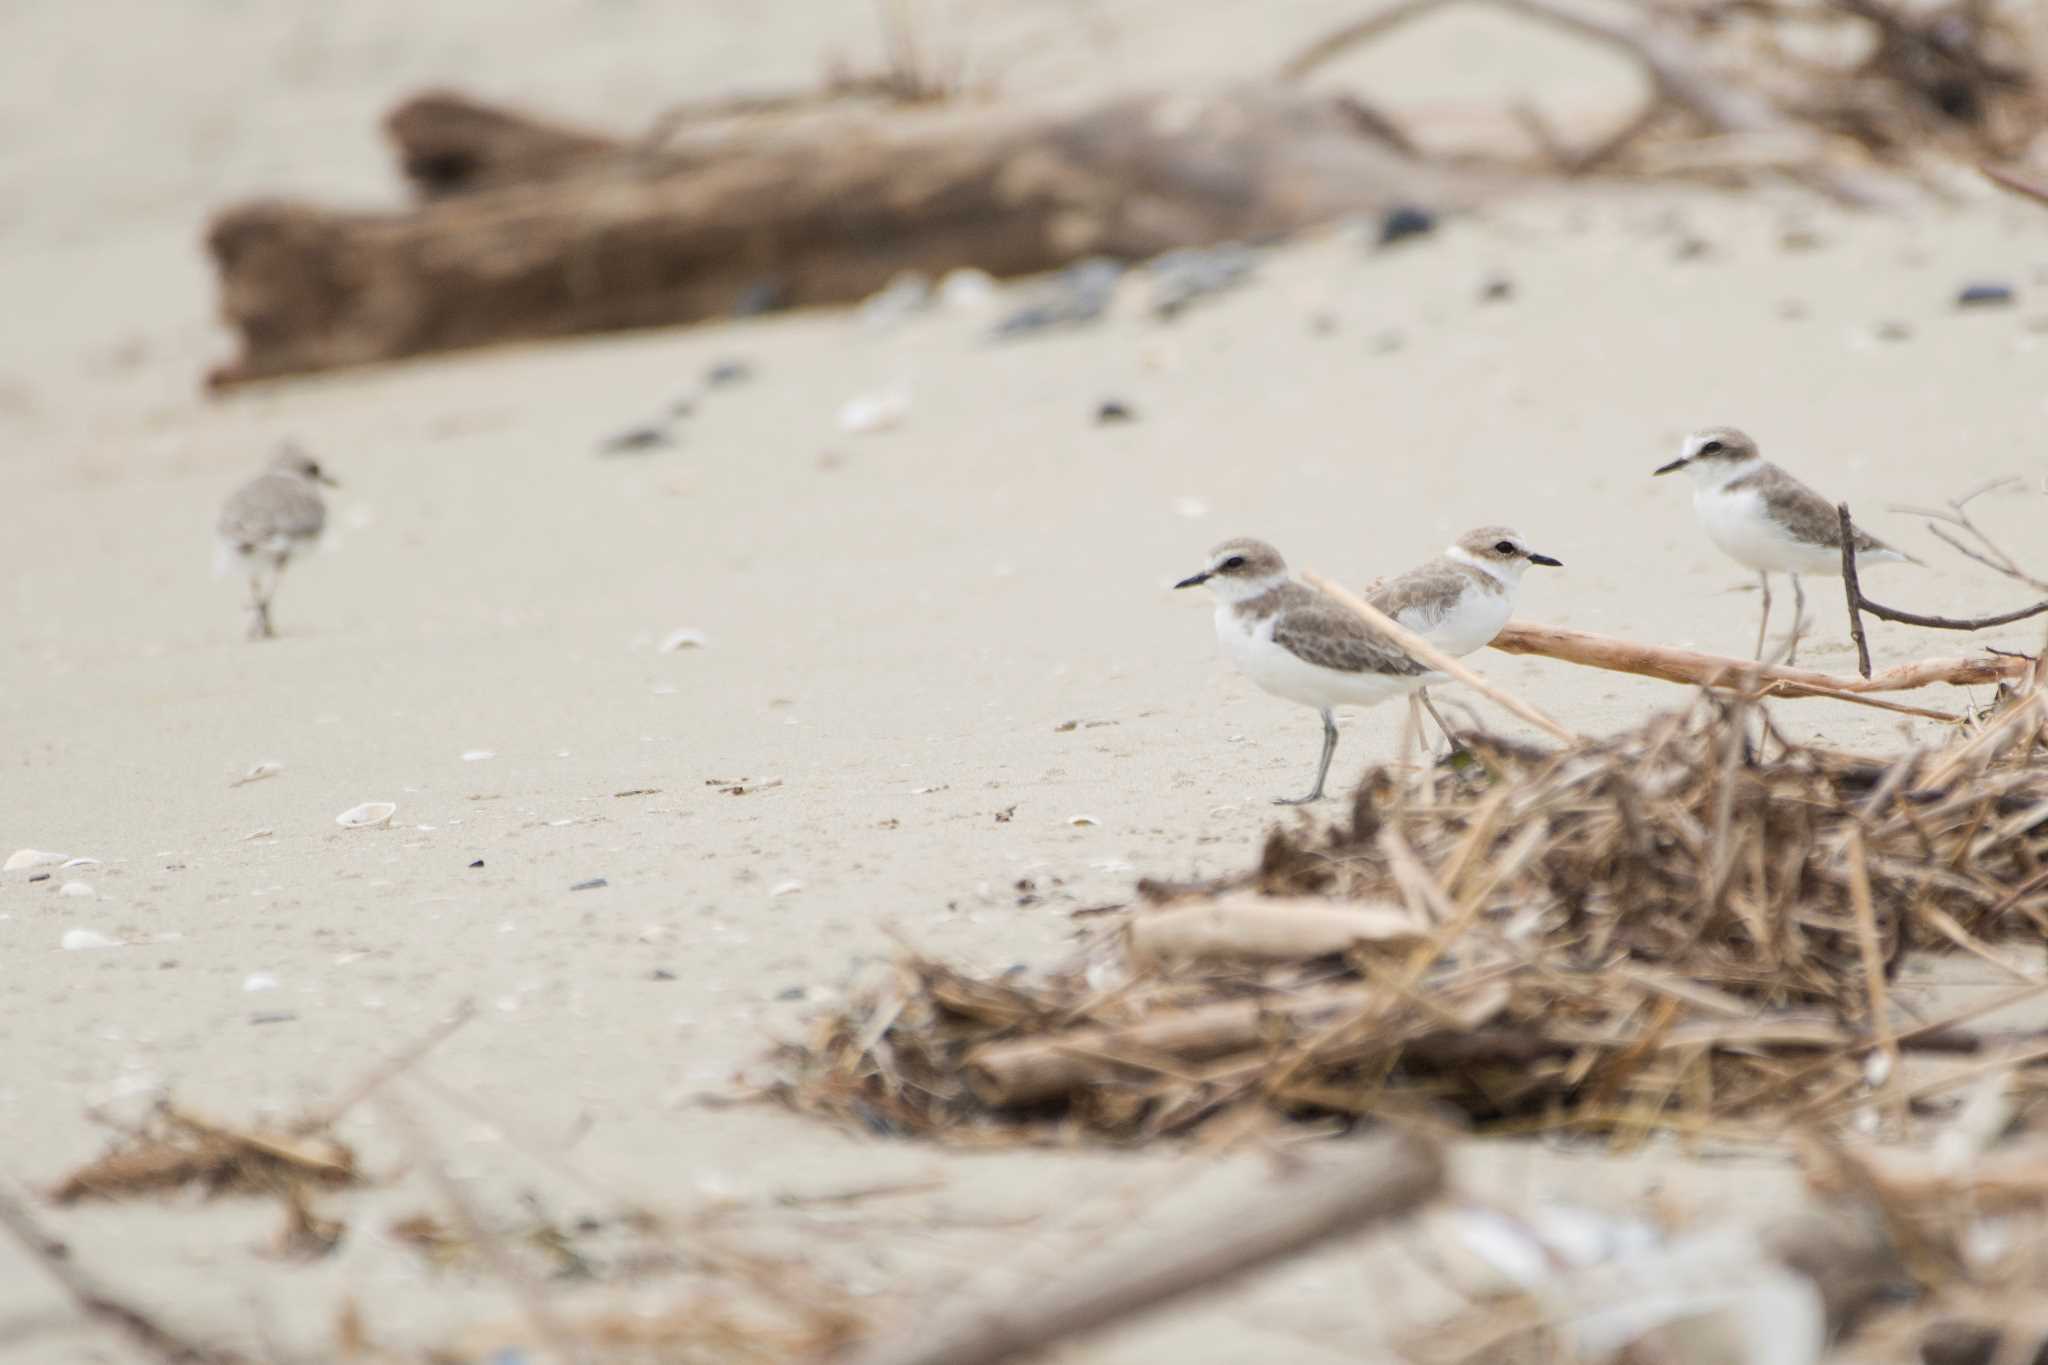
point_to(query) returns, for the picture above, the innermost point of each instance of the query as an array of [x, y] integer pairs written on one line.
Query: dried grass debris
[[1690, 925]]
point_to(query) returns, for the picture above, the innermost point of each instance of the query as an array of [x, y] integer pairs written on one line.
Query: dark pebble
[[1404, 221], [1496, 289], [1894, 331], [728, 372], [273, 1017], [1985, 296], [762, 296], [1076, 296], [661, 974], [1113, 410], [478, 863], [1692, 249], [793, 993], [591, 885], [633, 440], [40, 877]]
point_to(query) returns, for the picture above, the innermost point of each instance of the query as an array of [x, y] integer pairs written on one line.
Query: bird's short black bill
[[1194, 580], [1546, 561], [1667, 468]]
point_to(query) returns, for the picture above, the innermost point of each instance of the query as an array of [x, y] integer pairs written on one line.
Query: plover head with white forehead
[[1298, 643], [1764, 519]]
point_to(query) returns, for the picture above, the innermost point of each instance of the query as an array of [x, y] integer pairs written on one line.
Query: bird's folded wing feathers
[[1331, 637]]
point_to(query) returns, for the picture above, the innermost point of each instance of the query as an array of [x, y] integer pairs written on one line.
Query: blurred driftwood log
[[532, 230]]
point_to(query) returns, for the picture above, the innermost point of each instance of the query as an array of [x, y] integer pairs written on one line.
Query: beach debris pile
[[1692, 925]]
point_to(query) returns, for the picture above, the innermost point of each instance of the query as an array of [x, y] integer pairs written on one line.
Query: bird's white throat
[[1721, 473]]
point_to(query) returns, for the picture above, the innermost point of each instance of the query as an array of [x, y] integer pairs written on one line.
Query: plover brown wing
[[1763, 518], [1296, 643], [266, 520]]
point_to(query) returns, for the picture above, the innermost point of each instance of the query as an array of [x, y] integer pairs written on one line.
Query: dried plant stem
[[1674, 69], [153, 1339], [1373, 1182], [402, 1060], [1417, 647]]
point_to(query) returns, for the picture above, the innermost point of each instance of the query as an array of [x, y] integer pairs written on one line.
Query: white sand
[[897, 624]]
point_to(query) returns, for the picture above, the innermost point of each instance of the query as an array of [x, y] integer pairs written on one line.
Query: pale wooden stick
[[1417, 647], [1694, 669], [1374, 1181], [1246, 928]]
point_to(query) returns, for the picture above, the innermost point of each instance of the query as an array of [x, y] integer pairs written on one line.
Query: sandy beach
[[944, 694]]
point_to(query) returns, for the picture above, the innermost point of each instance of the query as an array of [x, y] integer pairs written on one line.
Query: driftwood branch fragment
[[1369, 1182], [1695, 669], [1246, 928], [825, 210], [1852, 590]]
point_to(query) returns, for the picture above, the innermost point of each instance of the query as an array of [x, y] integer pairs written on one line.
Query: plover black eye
[[1712, 448], [1234, 562], [1506, 547]]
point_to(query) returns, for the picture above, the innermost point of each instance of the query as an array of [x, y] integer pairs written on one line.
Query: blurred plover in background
[[1765, 519], [1298, 643], [266, 521], [1460, 600]]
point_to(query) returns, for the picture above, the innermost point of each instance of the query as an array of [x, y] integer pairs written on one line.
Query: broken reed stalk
[[1377, 1181], [150, 1337], [2026, 186], [1852, 590], [1417, 647], [1695, 669]]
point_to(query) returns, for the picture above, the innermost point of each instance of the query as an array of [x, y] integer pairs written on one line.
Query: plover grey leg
[[1798, 621], [1450, 735], [1322, 768], [259, 606], [1764, 622]]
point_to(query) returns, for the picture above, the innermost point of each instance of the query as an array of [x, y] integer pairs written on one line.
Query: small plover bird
[[266, 521], [1766, 520], [1299, 644], [1460, 600]]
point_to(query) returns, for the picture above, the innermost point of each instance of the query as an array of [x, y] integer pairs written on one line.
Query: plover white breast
[[1460, 600], [1297, 643], [1764, 519], [266, 521]]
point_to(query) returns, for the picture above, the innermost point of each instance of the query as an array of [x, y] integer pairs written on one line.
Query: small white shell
[[258, 773], [23, 858], [685, 638], [369, 815], [478, 755], [875, 412], [76, 940], [260, 981], [966, 290], [788, 888], [75, 889], [81, 862]]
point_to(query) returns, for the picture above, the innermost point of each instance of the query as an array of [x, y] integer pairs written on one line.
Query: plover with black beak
[[1460, 600], [266, 521], [1298, 643], [1764, 519]]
